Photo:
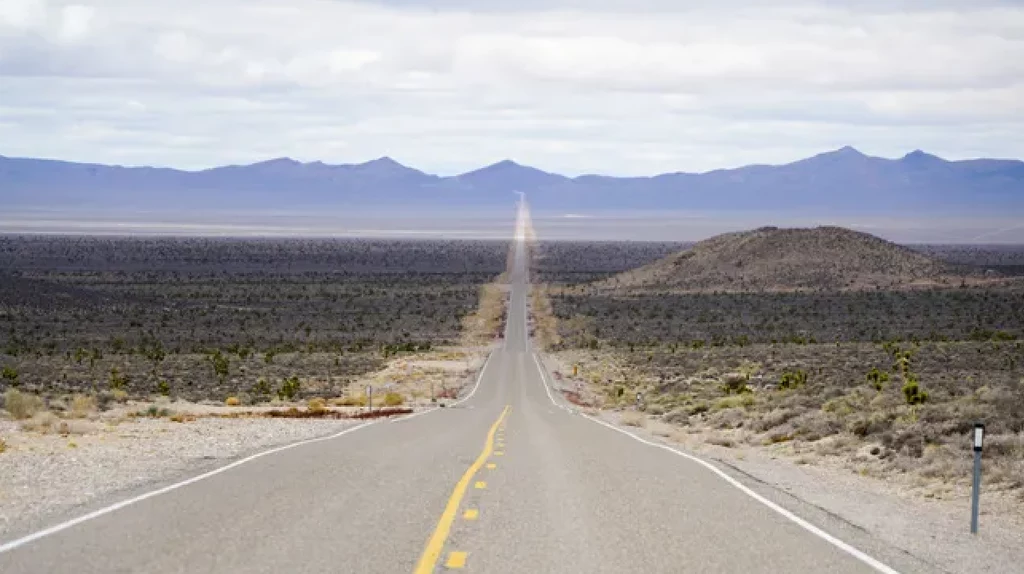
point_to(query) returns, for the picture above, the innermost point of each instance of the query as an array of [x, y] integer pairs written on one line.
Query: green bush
[[289, 388], [10, 375], [393, 399], [913, 392], [877, 378], [117, 380], [793, 379], [261, 390]]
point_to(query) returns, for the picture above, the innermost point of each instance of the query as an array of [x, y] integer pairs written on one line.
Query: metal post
[[979, 436], [369, 398]]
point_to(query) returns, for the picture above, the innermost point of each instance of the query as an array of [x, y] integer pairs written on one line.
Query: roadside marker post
[[979, 441], [369, 397]]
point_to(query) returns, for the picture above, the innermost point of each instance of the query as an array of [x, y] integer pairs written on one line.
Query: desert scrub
[[232, 401], [350, 401], [877, 378], [793, 379], [3, 446], [316, 405], [21, 405], [289, 388], [82, 406], [744, 400], [913, 393], [393, 399]]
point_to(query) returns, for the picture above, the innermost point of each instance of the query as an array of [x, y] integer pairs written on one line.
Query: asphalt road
[[506, 481]]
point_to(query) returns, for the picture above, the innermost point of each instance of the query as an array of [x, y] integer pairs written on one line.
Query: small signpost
[[369, 397], [639, 401], [979, 441]]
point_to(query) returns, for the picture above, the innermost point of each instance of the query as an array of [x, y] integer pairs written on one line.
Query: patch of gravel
[[42, 475]]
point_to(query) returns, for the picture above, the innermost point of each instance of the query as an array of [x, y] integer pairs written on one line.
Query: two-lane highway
[[507, 481]]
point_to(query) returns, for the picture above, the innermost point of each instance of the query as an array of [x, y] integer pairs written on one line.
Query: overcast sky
[[574, 86]]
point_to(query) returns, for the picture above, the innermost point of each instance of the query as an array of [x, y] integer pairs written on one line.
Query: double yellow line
[[444, 526]]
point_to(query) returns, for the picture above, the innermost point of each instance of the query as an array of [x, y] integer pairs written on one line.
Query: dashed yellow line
[[471, 514], [491, 466], [480, 485], [432, 552], [456, 560]]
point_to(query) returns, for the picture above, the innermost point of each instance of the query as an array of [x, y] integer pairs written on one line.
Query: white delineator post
[[979, 439]]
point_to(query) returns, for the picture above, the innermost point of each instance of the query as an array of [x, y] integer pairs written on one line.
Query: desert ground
[[878, 362]]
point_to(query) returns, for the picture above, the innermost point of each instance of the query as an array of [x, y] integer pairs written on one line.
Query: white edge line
[[8, 546], [479, 377], [858, 554]]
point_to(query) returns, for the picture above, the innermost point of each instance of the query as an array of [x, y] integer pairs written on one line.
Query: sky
[[619, 87]]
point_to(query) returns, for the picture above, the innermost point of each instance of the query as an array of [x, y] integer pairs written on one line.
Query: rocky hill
[[773, 259]]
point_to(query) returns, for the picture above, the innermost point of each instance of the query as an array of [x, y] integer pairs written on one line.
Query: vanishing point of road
[[511, 479]]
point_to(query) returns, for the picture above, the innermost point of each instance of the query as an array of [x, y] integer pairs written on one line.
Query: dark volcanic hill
[[773, 259]]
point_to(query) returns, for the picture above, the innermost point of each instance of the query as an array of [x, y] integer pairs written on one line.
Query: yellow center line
[[428, 561], [491, 466]]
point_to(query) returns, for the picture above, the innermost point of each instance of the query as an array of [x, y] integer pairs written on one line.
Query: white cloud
[[607, 86]]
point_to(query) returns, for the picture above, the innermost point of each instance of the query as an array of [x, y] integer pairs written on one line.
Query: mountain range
[[843, 180]]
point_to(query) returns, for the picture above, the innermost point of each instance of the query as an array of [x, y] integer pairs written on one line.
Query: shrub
[[393, 399], [10, 375], [744, 400], [117, 380], [289, 388], [163, 388], [261, 389], [120, 395], [735, 383], [154, 412], [22, 405], [232, 401], [82, 405], [317, 405], [3, 446], [913, 392], [359, 401], [877, 378], [793, 379]]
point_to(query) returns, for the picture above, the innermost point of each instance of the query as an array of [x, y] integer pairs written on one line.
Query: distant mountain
[[773, 259], [843, 180]]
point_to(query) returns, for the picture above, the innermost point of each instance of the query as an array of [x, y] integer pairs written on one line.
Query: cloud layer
[[602, 86]]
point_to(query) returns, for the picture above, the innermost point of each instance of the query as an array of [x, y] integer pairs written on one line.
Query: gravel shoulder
[[47, 475], [934, 531]]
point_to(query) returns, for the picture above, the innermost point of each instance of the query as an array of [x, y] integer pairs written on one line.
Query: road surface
[[506, 481]]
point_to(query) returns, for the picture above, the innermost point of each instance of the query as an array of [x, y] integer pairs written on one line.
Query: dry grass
[[349, 401], [43, 422], [481, 326], [82, 406], [392, 399], [3, 446], [316, 405], [21, 405], [545, 322], [232, 402]]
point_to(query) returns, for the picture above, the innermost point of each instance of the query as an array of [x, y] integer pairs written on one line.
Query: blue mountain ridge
[[841, 180]]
